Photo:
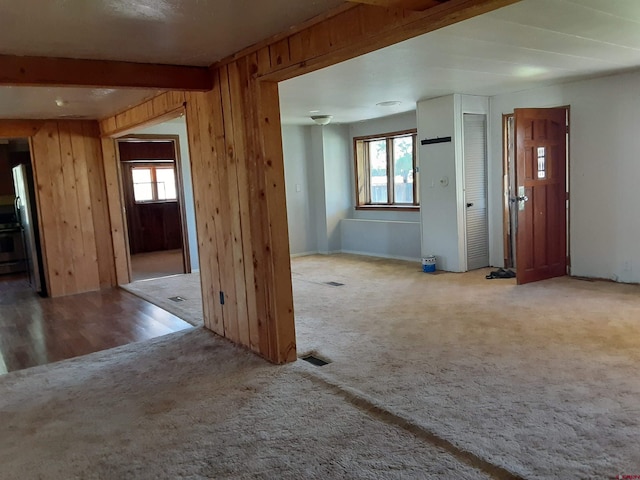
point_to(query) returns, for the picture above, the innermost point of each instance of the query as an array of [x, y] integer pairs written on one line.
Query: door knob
[[522, 198], [469, 204]]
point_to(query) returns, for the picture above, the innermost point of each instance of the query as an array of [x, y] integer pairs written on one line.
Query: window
[[154, 183], [386, 173]]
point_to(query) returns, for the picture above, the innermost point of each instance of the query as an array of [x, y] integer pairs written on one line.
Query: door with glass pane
[[542, 193]]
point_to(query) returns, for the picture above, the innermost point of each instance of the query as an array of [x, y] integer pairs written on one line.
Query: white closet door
[[475, 181]]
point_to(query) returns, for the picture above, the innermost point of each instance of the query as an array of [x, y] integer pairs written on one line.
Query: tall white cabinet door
[[475, 190]]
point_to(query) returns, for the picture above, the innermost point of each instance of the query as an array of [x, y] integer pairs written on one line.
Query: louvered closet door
[[475, 180]]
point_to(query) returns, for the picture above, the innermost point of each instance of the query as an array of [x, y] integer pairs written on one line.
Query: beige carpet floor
[[160, 292], [190, 405], [156, 264], [535, 381]]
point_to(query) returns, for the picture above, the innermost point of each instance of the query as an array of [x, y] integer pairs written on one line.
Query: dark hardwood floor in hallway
[[36, 331]]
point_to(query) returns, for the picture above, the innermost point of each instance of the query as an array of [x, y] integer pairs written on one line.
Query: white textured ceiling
[[521, 46], [531, 43], [40, 102], [180, 32]]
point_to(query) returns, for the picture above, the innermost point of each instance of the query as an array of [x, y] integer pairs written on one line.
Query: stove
[[10, 227], [12, 253]]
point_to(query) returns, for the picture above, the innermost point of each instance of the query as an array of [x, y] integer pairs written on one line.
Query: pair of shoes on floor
[[501, 273]]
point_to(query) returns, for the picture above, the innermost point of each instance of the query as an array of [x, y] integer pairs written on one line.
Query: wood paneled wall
[[71, 191], [72, 202], [238, 169], [245, 247]]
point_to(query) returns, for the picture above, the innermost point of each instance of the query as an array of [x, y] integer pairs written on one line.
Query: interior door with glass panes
[[541, 178]]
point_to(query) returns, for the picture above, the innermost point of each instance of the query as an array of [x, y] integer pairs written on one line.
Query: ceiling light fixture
[[391, 103], [313, 112], [321, 119], [60, 102]]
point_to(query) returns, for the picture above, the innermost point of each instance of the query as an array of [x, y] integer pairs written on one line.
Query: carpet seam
[[361, 401]]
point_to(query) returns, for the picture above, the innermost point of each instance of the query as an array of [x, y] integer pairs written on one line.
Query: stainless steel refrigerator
[[26, 214]]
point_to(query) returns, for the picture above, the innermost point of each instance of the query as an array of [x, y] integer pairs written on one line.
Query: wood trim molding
[[417, 5], [161, 108], [69, 72]]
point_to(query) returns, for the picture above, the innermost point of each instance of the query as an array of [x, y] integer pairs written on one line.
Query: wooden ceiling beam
[[19, 128], [68, 72], [417, 5]]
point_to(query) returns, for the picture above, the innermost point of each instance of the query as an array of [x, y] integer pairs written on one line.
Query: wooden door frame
[[508, 173], [123, 272], [186, 255], [506, 183]]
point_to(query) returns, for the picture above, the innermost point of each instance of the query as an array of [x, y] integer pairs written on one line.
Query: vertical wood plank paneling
[[279, 53], [57, 252], [87, 271], [255, 246], [282, 331], [257, 329], [204, 169], [262, 59], [100, 207], [198, 164], [49, 224], [66, 207], [237, 149], [116, 213]]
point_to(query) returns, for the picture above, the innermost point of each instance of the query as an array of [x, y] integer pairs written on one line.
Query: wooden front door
[[541, 179]]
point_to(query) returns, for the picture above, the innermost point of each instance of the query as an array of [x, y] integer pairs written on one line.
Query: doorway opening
[[157, 193], [21, 265], [154, 205], [536, 192]]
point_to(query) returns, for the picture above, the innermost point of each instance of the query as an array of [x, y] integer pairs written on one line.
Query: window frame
[[362, 171], [153, 166]]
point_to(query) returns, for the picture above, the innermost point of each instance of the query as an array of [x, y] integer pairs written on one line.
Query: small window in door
[[154, 184], [542, 162]]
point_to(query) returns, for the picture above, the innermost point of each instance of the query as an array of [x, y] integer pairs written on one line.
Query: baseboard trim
[[303, 254], [381, 255]]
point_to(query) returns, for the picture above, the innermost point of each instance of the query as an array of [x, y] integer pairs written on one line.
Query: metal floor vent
[[318, 362], [177, 299], [335, 284]]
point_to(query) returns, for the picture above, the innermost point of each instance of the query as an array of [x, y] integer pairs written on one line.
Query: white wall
[[316, 188], [604, 172], [316, 161], [338, 189], [296, 142], [389, 239], [380, 232], [179, 127], [438, 194]]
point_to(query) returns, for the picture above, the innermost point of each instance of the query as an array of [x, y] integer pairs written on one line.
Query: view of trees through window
[[387, 160]]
